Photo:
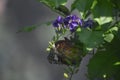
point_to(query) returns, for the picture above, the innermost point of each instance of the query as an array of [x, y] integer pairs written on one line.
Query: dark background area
[[23, 55]]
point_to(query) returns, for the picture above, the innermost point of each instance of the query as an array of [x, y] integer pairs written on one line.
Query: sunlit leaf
[[66, 75], [78, 29], [114, 29], [103, 20], [117, 63], [48, 49], [109, 37]]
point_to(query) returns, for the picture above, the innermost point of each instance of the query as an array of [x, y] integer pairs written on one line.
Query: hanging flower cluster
[[71, 22]]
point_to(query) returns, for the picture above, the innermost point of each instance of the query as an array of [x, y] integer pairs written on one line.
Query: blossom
[[72, 26], [58, 21], [72, 21]]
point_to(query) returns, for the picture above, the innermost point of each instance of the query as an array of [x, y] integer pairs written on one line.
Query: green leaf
[[102, 8], [109, 37], [116, 3], [82, 5], [33, 27], [48, 23], [118, 34], [48, 3], [103, 20], [53, 3], [27, 29], [105, 27], [63, 9], [117, 63], [103, 66], [90, 39]]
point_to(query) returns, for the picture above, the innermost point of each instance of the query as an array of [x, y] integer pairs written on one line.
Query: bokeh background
[[23, 55]]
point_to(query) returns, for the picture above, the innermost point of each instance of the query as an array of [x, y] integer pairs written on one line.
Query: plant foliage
[[97, 27]]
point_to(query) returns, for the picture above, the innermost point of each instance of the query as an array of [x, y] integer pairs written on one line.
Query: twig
[[71, 74]]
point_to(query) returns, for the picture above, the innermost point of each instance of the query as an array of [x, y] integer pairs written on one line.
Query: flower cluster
[[71, 22], [58, 22]]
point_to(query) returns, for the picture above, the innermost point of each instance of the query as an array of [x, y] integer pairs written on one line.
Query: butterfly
[[65, 52]]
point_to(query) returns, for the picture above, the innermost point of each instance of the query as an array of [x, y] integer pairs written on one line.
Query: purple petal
[[74, 24], [59, 19], [74, 17], [55, 24], [66, 20]]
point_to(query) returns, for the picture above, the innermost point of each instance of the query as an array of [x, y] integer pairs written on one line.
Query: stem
[[71, 74]]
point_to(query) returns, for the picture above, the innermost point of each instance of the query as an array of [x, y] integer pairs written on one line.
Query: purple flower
[[72, 21], [66, 20], [58, 21], [89, 23], [72, 26]]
